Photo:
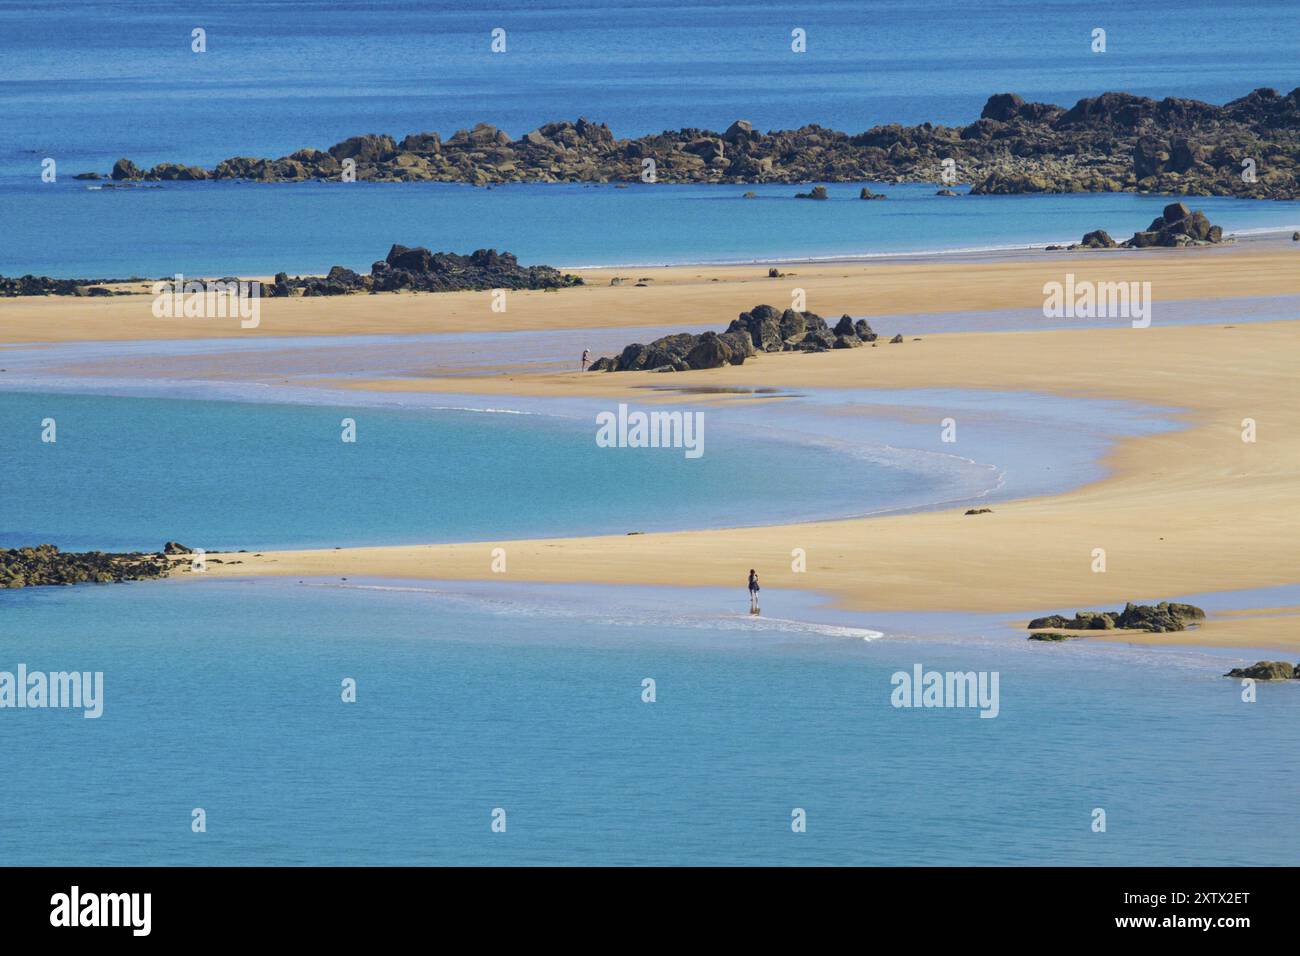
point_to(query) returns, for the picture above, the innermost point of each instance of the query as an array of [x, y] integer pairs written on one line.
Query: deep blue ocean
[[87, 83], [219, 229]]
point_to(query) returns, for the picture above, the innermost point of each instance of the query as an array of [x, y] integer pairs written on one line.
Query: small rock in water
[[1267, 670]]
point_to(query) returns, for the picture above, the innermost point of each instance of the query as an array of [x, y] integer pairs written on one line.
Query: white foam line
[[496, 604]]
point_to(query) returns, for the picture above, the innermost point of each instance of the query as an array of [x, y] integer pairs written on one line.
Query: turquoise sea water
[[244, 229], [226, 696], [85, 83], [128, 474]]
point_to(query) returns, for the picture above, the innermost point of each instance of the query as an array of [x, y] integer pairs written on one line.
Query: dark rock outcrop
[[762, 329], [45, 564], [1112, 142], [1267, 670], [125, 169], [818, 192], [1098, 239], [1163, 617], [404, 269], [1176, 226], [44, 285]]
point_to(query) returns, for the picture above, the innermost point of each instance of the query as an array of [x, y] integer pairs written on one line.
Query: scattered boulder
[[1098, 239], [866, 193], [1267, 670], [1177, 226], [1158, 618], [818, 192], [125, 169], [897, 339], [762, 329]]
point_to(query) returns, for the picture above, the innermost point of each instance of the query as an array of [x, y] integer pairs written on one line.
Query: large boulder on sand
[[763, 323], [761, 329], [418, 259], [709, 352], [1098, 239], [792, 325], [1177, 226]]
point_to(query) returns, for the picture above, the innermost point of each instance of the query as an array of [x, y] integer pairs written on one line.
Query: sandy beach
[[1187, 511], [703, 296], [1192, 510]]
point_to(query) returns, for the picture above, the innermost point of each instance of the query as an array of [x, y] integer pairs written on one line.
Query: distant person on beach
[[753, 591], [586, 357]]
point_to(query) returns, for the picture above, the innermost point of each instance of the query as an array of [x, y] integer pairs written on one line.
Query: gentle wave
[[1038, 246], [652, 616]]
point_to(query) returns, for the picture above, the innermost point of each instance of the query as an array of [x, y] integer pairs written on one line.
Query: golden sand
[[1181, 512]]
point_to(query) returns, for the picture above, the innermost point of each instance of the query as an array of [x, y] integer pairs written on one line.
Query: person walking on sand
[[753, 591], [586, 357]]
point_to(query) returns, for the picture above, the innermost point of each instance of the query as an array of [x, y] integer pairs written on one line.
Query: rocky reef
[[1158, 618], [45, 564], [1267, 670], [1176, 226], [404, 269], [763, 328], [1108, 143], [418, 269]]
